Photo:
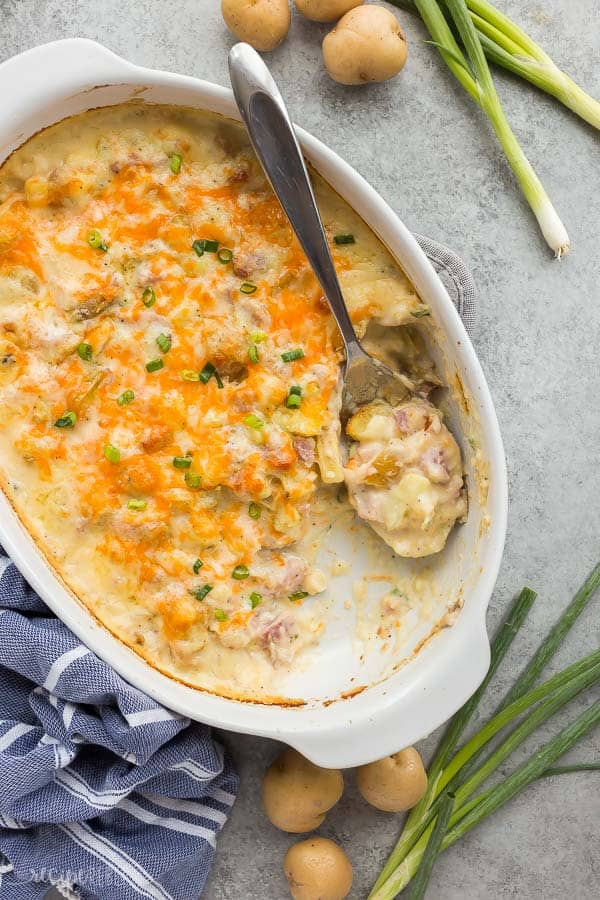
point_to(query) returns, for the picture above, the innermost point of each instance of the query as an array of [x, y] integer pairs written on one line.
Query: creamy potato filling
[[404, 475], [170, 390]]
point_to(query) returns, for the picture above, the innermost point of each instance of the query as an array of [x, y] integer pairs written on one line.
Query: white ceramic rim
[[35, 87]]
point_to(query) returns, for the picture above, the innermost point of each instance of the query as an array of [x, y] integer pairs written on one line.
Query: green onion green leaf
[[255, 599], [247, 287], [85, 351], [197, 566], [240, 572], [95, 240], [148, 297], [193, 480], [221, 615], [298, 595], [207, 373], [253, 353], [202, 246], [182, 462], [164, 342], [344, 239], [67, 420], [253, 421], [254, 510], [224, 255], [125, 398], [154, 365], [175, 161], [136, 504], [291, 355], [201, 593], [294, 398], [112, 454]]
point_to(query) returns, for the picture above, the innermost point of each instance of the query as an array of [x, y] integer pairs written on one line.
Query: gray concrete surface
[[430, 153]]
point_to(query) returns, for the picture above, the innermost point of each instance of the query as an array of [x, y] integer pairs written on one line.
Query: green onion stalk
[[473, 73], [507, 45], [454, 774], [462, 820]]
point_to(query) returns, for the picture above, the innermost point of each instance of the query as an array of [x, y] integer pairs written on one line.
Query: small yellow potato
[[297, 794], [317, 869], [393, 784], [325, 10], [262, 23], [367, 44]]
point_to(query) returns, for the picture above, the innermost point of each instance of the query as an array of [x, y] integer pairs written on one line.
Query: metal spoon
[[274, 140]]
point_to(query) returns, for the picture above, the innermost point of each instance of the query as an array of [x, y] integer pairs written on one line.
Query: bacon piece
[[305, 448]]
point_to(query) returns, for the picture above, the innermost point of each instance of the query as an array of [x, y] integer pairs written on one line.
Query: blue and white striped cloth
[[103, 793]]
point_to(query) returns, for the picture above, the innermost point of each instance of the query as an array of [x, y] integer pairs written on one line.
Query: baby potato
[[297, 794], [367, 44], [262, 23], [317, 869], [393, 784], [325, 10]]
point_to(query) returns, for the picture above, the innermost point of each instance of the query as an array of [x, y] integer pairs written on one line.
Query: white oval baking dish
[[397, 704]]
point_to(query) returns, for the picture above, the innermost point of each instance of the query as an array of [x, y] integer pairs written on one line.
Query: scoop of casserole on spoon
[[275, 143]]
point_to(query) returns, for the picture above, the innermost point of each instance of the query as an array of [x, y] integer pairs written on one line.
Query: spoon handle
[[274, 140]]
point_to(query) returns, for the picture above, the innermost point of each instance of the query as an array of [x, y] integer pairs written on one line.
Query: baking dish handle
[[353, 740], [51, 81]]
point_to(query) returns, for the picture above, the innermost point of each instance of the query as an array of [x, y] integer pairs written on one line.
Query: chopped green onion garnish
[[254, 510], [255, 599], [294, 398], [220, 384], [240, 572], [247, 288], [136, 504], [203, 246], [344, 239], [253, 421], [67, 420], [421, 313], [193, 480], [154, 365], [84, 351], [182, 462], [94, 239], [164, 342], [207, 373], [298, 595], [148, 297], [125, 398], [253, 353], [291, 355], [112, 454], [190, 375], [221, 615], [258, 336], [197, 566], [201, 593], [175, 161], [224, 255]]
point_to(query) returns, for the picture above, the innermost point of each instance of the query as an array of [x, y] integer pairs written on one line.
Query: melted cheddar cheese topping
[[170, 382]]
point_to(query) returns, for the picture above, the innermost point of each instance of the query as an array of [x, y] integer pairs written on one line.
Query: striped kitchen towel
[[103, 793]]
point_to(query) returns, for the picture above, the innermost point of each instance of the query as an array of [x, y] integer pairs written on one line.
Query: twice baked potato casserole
[[170, 391]]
